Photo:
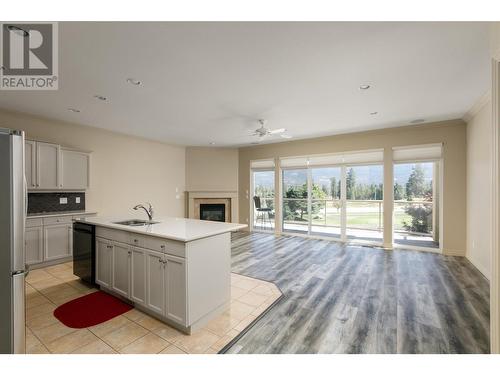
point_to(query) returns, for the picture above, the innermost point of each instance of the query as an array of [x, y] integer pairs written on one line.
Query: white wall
[[125, 170], [479, 182]]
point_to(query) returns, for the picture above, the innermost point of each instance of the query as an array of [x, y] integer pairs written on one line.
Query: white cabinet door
[[155, 277], [30, 164], [47, 160], [104, 253], [58, 241], [75, 169], [175, 289], [121, 269], [34, 245], [138, 275]]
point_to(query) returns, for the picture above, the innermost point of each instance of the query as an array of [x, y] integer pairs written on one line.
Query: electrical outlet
[[63, 200], [77, 200]]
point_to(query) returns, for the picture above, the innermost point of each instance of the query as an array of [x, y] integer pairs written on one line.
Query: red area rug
[[90, 310]]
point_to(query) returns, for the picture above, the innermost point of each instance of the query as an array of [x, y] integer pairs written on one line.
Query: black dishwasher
[[84, 251]]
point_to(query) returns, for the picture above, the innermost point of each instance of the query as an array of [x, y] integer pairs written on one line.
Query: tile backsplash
[[54, 202]]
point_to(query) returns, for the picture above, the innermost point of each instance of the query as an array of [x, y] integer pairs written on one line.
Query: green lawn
[[367, 220]]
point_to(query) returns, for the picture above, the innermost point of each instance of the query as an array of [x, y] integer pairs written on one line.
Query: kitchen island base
[[184, 284]]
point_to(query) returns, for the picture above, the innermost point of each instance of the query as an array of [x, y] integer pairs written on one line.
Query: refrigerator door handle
[[18, 202]]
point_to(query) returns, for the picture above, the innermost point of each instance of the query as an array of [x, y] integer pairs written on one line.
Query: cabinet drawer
[[165, 246], [35, 222], [57, 220], [112, 234]]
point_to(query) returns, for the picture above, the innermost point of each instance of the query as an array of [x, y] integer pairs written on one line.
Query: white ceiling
[[210, 82]]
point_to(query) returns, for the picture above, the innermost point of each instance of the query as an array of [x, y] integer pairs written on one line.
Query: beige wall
[[211, 169], [124, 170], [479, 189], [451, 133]]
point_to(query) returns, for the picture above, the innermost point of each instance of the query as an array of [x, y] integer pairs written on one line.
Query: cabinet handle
[[129, 253], [109, 246], [162, 247], [136, 240]]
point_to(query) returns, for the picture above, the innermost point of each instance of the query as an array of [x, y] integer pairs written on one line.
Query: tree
[[293, 206], [421, 218], [334, 188], [350, 184], [415, 187], [399, 192], [421, 214]]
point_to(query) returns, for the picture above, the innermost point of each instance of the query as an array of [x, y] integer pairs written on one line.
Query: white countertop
[[178, 229], [60, 213]]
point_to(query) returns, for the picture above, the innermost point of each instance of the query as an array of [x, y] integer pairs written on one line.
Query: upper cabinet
[[75, 167], [47, 162], [49, 166], [30, 164]]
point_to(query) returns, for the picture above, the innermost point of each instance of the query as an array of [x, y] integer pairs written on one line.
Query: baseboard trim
[[478, 266], [453, 252]]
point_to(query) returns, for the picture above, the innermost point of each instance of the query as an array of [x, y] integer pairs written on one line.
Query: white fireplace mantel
[[232, 195]]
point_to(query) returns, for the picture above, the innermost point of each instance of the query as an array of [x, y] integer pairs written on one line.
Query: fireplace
[[213, 211], [226, 198]]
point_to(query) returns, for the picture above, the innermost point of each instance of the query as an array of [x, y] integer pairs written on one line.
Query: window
[[334, 195]]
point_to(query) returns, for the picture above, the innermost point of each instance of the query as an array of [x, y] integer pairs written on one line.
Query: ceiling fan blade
[[286, 136], [277, 131]]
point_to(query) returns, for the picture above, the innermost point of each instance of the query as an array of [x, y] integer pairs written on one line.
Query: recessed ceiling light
[[417, 121], [74, 110], [374, 113], [100, 97], [134, 81], [18, 30], [364, 87]]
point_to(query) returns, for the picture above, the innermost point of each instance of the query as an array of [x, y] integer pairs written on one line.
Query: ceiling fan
[[263, 132]]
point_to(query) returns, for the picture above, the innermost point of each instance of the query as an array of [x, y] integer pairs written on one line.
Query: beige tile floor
[[134, 331]]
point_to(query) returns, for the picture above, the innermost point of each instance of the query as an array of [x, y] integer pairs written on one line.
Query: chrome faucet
[[149, 210]]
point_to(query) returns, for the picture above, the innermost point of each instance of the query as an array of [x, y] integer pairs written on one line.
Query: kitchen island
[[177, 270]]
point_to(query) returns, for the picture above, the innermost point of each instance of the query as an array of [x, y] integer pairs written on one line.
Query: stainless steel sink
[[136, 222]]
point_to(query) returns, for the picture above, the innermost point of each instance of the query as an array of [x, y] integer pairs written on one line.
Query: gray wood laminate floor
[[352, 299]]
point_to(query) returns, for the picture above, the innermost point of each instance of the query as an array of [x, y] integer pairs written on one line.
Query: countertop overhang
[[177, 229], [59, 213]]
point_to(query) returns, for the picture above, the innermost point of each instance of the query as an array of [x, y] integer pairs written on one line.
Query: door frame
[[495, 199], [438, 163]]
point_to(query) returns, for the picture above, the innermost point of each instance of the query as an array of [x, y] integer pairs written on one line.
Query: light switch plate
[[63, 200], [77, 200]]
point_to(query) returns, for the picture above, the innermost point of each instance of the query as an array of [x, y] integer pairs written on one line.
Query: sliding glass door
[[296, 204], [416, 197], [326, 203], [364, 202], [263, 199]]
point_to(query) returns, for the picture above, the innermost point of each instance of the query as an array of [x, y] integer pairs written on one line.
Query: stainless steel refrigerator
[[12, 221]]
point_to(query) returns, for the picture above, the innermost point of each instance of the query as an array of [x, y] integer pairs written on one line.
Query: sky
[[370, 174]]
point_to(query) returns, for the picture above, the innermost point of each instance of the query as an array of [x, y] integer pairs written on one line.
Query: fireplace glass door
[[213, 212]]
